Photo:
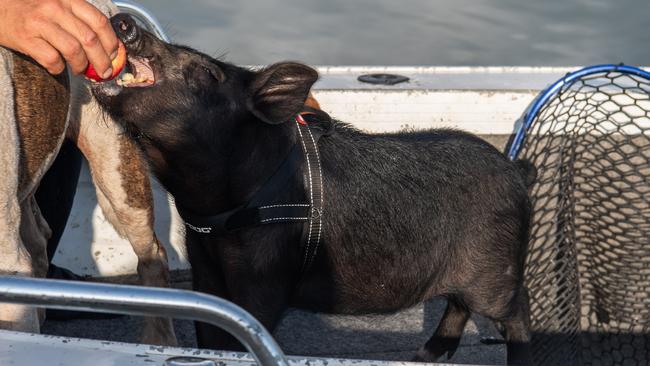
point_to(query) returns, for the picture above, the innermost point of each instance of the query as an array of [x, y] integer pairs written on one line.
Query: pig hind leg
[[447, 335], [512, 320], [515, 330]]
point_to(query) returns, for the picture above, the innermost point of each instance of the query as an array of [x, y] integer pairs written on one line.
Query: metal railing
[[143, 301], [144, 16], [146, 301]]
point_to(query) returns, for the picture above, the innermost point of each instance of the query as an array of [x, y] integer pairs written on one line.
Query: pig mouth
[[138, 73]]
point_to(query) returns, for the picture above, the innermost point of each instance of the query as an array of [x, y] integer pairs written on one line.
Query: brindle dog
[[37, 112]]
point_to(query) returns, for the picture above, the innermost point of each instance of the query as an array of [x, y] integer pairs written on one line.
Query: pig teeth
[[128, 79]]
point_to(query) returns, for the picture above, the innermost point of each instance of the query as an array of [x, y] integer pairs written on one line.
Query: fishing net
[[588, 267]]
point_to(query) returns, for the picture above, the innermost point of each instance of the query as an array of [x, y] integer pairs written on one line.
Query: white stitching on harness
[[320, 219], [284, 218], [288, 205], [311, 194]]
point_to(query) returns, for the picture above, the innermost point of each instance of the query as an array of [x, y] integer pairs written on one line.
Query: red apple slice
[[118, 64]]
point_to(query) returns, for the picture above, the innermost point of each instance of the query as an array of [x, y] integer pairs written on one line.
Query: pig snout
[[125, 28]]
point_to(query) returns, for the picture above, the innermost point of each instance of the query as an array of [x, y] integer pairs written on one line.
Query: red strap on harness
[[301, 120]]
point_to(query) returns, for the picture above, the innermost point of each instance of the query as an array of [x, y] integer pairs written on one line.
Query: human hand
[[50, 31]]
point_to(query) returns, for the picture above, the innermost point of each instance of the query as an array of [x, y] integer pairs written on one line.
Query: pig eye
[[208, 74], [202, 75], [213, 71]]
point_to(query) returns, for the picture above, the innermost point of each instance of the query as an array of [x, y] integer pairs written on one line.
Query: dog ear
[[279, 91]]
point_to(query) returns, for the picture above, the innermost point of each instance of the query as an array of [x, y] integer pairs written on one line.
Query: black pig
[[407, 216]]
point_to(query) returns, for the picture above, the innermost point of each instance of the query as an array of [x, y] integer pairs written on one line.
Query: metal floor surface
[[373, 337]]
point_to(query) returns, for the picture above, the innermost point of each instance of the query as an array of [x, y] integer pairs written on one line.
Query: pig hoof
[[424, 355]]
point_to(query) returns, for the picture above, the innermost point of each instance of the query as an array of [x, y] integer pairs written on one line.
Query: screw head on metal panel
[[189, 361], [382, 79]]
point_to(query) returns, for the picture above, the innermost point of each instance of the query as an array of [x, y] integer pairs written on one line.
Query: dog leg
[[124, 193], [35, 233], [15, 261], [133, 218], [152, 258], [14, 257]]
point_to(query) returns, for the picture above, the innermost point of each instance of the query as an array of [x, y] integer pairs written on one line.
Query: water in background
[[413, 32]]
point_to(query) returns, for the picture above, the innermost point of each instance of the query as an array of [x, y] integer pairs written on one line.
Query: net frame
[[588, 266]]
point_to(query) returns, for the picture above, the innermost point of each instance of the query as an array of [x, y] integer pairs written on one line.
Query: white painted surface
[[21, 349], [90, 245], [444, 78], [480, 112], [480, 100]]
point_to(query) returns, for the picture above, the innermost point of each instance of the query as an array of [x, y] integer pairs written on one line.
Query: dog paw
[[168, 340], [159, 331]]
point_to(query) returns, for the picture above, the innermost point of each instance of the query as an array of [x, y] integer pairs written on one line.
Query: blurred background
[[413, 32]]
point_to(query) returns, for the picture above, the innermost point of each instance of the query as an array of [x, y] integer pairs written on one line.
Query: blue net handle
[[548, 93]]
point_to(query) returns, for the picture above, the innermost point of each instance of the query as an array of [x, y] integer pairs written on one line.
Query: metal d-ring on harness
[[259, 212]]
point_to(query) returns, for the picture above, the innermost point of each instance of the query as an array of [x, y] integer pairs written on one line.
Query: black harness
[[258, 212]]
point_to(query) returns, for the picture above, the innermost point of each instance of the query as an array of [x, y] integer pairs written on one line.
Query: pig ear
[[279, 92]]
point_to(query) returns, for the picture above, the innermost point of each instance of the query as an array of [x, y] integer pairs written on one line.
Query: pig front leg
[[266, 299], [207, 277]]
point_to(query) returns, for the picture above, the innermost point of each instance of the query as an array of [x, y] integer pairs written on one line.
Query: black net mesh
[[588, 269]]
